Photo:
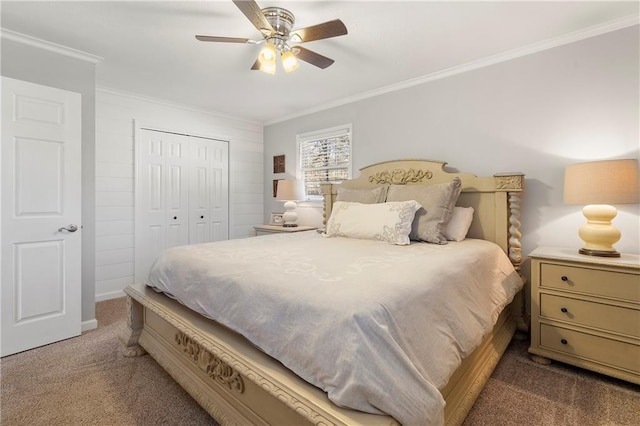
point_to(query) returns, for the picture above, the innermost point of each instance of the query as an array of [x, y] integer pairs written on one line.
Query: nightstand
[[277, 229], [585, 311]]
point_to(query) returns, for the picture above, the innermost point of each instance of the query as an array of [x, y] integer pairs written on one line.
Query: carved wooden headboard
[[495, 199]]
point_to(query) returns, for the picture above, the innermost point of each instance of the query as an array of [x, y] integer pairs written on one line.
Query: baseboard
[[89, 325], [110, 295]]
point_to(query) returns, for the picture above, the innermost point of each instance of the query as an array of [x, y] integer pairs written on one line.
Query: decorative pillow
[[390, 222], [459, 224], [437, 203], [364, 196]]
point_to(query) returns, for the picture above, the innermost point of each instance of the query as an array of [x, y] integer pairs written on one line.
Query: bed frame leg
[[131, 333]]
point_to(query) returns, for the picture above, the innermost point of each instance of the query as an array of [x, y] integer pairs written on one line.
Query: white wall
[[534, 114], [115, 115]]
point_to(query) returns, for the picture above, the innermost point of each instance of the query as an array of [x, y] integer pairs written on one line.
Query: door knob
[[69, 228]]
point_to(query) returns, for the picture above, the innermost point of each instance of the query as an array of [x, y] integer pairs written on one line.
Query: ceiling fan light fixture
[[289, 61], [268, 54], [268, 67], [276, 26]]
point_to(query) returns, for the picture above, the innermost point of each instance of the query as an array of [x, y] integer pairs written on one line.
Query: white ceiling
[[148, 47]]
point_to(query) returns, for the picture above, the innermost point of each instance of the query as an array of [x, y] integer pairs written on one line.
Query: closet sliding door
[[182, 194]]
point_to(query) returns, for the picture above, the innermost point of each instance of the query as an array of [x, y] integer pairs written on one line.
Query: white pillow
[[459, 224], [390, 222]]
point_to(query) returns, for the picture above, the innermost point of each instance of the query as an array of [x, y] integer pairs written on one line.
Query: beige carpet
[[87, 381]]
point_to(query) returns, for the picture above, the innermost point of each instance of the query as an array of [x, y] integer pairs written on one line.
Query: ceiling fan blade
[[225, 39], [318, 32], [252, 11], [312, 57]]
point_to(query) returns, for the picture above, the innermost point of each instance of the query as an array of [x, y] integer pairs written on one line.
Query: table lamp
[[596, 185], [290, 191]]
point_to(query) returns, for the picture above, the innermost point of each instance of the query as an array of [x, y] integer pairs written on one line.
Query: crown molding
[[568, 38], [163, 102], [49, 46]]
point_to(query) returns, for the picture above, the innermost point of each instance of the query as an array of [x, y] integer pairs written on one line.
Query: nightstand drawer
[[616, 285], [605, 317], [594, 348]]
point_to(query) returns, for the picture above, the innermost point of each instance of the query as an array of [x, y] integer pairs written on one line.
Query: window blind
[[324, 158]]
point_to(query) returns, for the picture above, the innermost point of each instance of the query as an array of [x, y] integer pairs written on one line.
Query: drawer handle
[[175, 217], [201, 217], [564, 278], [564, 310], [563, 341]]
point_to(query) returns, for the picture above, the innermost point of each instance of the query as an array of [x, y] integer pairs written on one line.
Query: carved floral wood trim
[[514, 182], [213, 406], [213, 366], [401, 176]]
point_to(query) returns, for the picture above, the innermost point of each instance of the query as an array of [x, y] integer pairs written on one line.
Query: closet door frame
[[140, 275]]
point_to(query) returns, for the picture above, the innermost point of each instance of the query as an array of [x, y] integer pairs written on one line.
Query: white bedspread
[[378, 327]]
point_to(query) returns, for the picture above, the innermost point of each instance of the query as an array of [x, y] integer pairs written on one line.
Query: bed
[[237, 382]]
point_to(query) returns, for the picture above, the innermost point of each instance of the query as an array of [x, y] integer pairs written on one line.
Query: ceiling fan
[[276, 25]]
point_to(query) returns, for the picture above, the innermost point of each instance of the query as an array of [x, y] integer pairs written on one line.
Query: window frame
[[327, 133]]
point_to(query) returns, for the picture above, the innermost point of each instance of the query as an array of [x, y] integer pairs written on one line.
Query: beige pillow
[[437, 203], [389, 222], [364, 196]]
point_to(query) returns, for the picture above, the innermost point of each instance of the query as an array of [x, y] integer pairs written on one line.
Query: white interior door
[[41, 165], [162, 200], [199, 192], [209, 191], [220, 190]]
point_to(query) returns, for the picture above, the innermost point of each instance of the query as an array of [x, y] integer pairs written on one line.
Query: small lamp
[[598, 184], [290, 191]]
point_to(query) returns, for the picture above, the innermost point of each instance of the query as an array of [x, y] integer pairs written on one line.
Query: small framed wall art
[[278, 163]]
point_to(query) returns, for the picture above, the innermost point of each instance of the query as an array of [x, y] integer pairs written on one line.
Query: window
[[324, 157]]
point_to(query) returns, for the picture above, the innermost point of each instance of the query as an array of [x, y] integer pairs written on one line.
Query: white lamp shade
[[290, 190], [602, 182]]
